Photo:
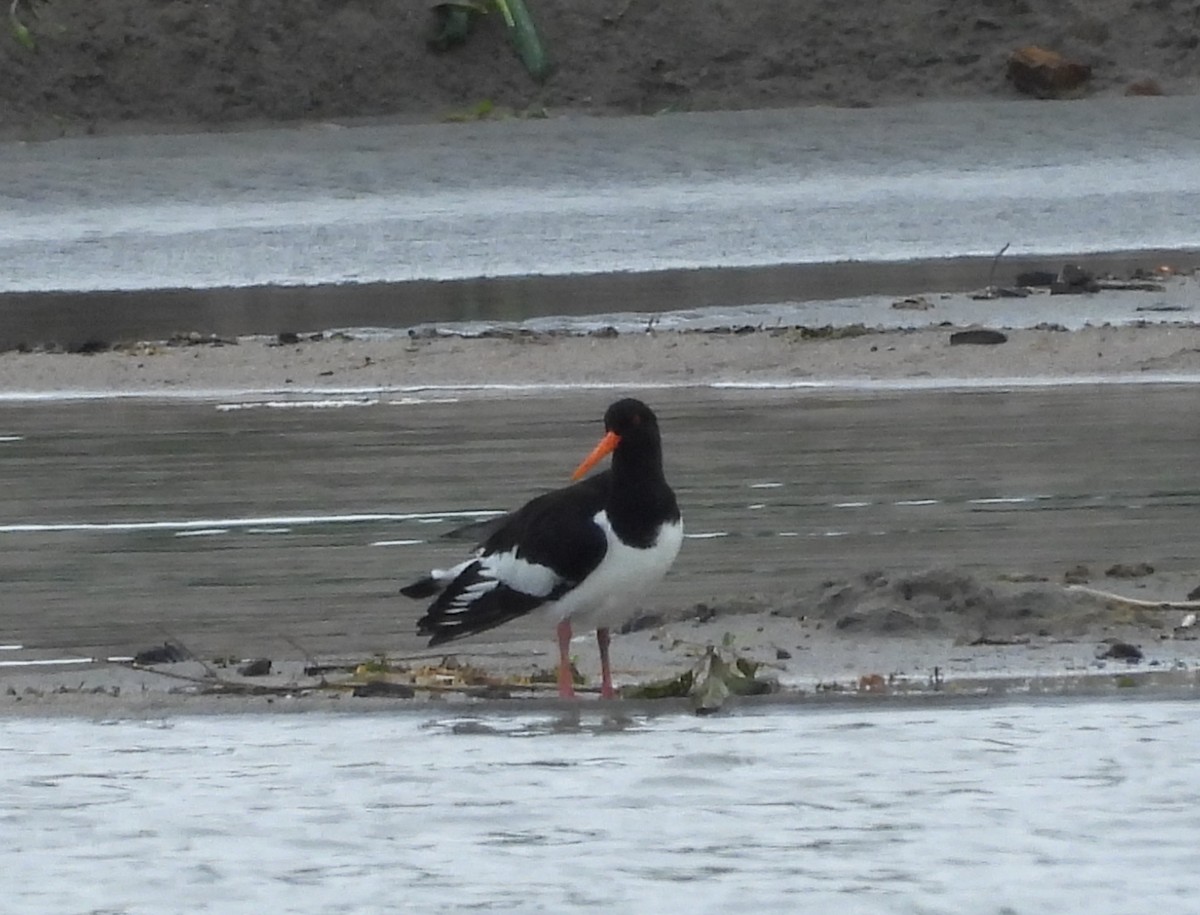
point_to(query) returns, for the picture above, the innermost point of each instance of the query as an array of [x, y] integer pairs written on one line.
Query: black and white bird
[[581, 555]]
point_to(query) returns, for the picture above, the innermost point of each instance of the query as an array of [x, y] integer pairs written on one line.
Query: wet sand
[[1004, 492]]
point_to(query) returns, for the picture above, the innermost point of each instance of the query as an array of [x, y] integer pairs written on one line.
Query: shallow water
[[1055, 807], [440, 201]]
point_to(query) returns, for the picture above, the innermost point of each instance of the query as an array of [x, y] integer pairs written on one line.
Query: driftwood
[[1137, 601]]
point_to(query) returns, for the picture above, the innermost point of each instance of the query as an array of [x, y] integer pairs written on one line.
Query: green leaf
[[22, 34]]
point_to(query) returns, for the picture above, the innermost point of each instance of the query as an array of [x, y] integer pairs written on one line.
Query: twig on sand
[[1137, 601], [996, 263]]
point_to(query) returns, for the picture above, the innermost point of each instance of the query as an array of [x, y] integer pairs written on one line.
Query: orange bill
[[606, 446]]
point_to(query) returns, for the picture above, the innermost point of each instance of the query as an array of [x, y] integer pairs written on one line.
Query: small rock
[[1120, 651], [287, 338], [166, 653], [782, 654], [1194, 594], [259, 667], [1129, 570], [1046, 74], [977, 338]]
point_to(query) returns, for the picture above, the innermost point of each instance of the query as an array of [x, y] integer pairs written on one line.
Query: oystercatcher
[[578, 554]]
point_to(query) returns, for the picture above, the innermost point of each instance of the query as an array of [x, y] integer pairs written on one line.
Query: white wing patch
[[497, 569], [520, 574]]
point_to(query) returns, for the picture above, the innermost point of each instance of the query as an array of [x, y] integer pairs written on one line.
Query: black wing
[[540, 552]]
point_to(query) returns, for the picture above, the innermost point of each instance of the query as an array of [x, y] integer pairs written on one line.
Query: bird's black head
[[629, 417], [630, 430]]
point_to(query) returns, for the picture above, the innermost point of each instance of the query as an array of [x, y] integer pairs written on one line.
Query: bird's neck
[[640, 499]]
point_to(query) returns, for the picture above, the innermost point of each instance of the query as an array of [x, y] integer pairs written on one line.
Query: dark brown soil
[[104, 64]]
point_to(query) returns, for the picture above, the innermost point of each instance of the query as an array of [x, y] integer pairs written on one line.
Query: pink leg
[[606, 687], [566, 688]]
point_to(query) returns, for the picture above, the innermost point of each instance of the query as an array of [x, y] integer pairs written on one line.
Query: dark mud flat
[[98, 319], [285, 532]]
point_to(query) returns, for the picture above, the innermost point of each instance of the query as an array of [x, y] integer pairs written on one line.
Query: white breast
[[612, 593]]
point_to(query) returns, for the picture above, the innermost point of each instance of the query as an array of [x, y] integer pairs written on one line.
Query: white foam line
[[13, 647], [832, 384], [12, 438], [1003, 501], [210, 523], [48, 662], [711, 535], [765, 485], [918, 502], [397, 542], [852, 504], [330, 404], [203, 532]]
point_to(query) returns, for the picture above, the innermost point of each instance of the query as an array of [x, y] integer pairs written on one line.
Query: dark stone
[[166, 653], [1046, 74], [1123, 651], [977, 338], [1074, 275], [287, 338], [259, 667], [782, 654], [1036, 278]]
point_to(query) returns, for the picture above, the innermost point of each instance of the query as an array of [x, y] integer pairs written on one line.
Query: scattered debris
[[195, 338], [716, 680], [259, 667], [1043, 73]]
